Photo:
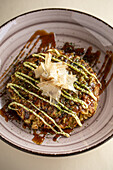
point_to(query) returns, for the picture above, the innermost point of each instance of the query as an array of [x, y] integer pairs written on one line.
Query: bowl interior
[[69, 26]]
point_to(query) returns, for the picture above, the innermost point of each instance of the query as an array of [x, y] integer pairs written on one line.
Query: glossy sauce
[[48, 41], [3, 112], [25, 125], [38, 138], [92, 57], [103, 65], [69, 48], [104, 71], [57, 136], [9, 114]]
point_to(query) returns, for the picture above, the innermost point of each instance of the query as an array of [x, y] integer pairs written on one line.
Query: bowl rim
[[44, 154], [53, 9]]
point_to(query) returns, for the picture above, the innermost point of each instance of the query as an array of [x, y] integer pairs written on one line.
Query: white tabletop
[[100, 158]]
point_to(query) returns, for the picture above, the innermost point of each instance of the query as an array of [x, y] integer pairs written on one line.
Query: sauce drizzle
[[48, 41]]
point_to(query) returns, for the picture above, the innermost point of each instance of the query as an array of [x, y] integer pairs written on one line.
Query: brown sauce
[[48, 40], [9, 114], [107, 83], [57, 136], [25, 125], [92, 57], [106, 67], [69, 48], [3, 92], [103, 65], [4, 75], [38, 138], [3, 113]]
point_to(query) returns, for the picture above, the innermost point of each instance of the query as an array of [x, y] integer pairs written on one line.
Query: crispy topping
[[54, 77], [54, 81]]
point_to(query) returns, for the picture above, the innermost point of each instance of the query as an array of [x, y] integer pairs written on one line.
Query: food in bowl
[[54, 90]]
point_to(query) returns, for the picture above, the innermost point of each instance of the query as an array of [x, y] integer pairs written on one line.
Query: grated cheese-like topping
[[54, 77]]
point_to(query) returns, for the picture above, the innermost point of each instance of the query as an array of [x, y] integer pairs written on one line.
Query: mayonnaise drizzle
[[26, 78], [24, 107], [77, 87], [58, 54], [73, 114], [55, 59]]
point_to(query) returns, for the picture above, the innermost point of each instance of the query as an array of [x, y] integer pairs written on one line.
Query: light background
[[100, 158]]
